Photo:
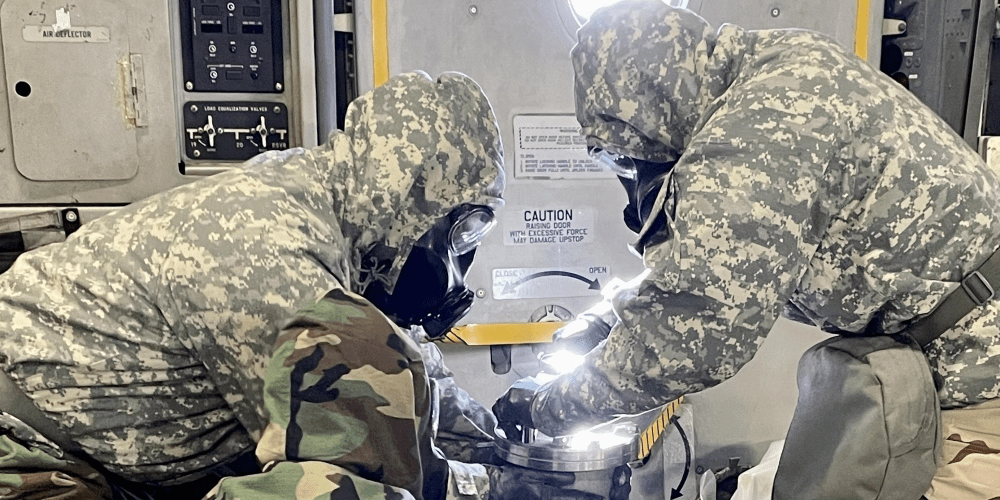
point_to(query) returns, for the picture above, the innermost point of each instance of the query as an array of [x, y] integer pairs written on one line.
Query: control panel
[[929, 51], [232, 45], [234, 131]]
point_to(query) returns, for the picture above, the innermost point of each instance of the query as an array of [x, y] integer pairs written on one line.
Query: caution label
[[549, 282], [548, 226]]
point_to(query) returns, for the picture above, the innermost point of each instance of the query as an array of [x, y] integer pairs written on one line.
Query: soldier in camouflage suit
[[351, 414], [145, 337], [802, 180]]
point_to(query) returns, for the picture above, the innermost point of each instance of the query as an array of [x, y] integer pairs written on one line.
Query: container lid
[[603, 447]]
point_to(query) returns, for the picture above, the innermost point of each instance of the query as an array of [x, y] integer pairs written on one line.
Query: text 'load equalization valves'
[[234, 130]]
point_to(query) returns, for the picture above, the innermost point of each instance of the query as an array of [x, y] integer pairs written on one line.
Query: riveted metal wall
[[518, 50]]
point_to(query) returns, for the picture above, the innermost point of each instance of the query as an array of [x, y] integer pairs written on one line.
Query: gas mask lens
[[622, 166], [470, 229]]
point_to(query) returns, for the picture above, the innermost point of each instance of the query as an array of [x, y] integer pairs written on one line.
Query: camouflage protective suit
[[805, 181], [146, 335], [351, 414]]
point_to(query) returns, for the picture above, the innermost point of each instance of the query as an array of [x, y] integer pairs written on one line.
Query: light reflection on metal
[[601, 448], [584, 8]]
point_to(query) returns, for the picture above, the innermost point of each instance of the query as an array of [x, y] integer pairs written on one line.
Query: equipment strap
[[976, 289]]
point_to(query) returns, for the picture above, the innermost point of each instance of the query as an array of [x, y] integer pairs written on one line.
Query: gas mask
[[430, 290], [642, 181]]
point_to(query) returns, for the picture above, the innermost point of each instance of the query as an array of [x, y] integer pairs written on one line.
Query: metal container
[[595, 449], [598, 458]]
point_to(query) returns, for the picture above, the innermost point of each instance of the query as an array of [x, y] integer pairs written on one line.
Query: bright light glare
[[584, 440], [575, 327], [584, 8], [563, 361], [612, 287]]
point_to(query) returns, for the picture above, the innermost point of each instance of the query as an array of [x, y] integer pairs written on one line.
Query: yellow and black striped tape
[[654, 431]]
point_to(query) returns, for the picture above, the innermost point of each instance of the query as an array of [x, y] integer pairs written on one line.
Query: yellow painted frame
[[380, 41], [861, 29], [502, 333]]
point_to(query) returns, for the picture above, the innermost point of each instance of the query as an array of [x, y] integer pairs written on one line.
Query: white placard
[[547, 226], [551, 147], [549, 282]]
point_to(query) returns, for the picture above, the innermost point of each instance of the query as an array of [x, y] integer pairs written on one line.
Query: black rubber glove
[[511, 482], [513, 409]]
